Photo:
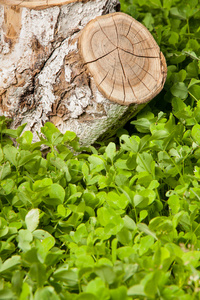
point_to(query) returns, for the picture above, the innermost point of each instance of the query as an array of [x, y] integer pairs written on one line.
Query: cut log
[[123, 58], [46, 75]]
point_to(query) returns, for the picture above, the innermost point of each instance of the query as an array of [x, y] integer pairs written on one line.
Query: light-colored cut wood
[[123, 58]]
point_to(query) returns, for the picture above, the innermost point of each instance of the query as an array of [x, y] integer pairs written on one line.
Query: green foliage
[[175, 26], [106, 224], [120, 222]]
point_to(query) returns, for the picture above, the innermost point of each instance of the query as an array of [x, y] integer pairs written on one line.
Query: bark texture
[[42, 77]]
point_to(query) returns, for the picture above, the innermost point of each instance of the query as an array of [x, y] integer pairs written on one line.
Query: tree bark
[[42, 77]]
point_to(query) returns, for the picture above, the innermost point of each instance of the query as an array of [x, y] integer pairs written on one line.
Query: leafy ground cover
[[120, 222]]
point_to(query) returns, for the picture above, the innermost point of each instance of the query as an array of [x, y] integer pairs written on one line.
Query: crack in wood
[[103, 79], [92, 61], [132, 90], [129, 28], [106, 35], [116, 31], [139, 77]]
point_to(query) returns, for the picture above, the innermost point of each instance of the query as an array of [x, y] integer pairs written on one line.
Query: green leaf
[[174, 38], [11, 153], [10, 264], [5, 170], [70, 277], [20, 129], [116, 201], [193, 81], [110, 151], [129, 223], [145, 244], [10, 132], [85, 171], [136, 290], [143, 215], [86, 296], [3, 227], [57, 194], [119, 293], [17, 281], [26, 291], [41, 234], [40, 185], [96, 162], [144, 228], [62, 166], [37, 273], [32, 219], [149, 21], [7, 294], [180, 90], [142, 124], [25, 140], [1, 154], [25, 238], [144, 161], [156, 3], [194, 91], [177, 13], [191, 257], [174, 203], [107, 216], [106, 274], [196, 133], [25, 156], [51, 132], [124, 236], [69, 136], [7, 186], [97, 287], [151, 285], [129, 144], [192, 69], [124, 252], [46, 293], [84, 261]]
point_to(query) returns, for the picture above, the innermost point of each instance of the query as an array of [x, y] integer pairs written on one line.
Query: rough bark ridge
[[42, 77]]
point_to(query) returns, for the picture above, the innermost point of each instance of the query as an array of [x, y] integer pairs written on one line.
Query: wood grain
[[123, 58]]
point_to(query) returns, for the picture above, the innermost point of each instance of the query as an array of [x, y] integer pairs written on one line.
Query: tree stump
[[76, 64]]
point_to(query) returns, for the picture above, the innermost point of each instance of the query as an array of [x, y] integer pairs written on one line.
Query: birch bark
[[42, 77]]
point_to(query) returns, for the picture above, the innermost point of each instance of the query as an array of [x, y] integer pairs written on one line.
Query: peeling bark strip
[[42, 75], [123, 58], [38, 4]]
